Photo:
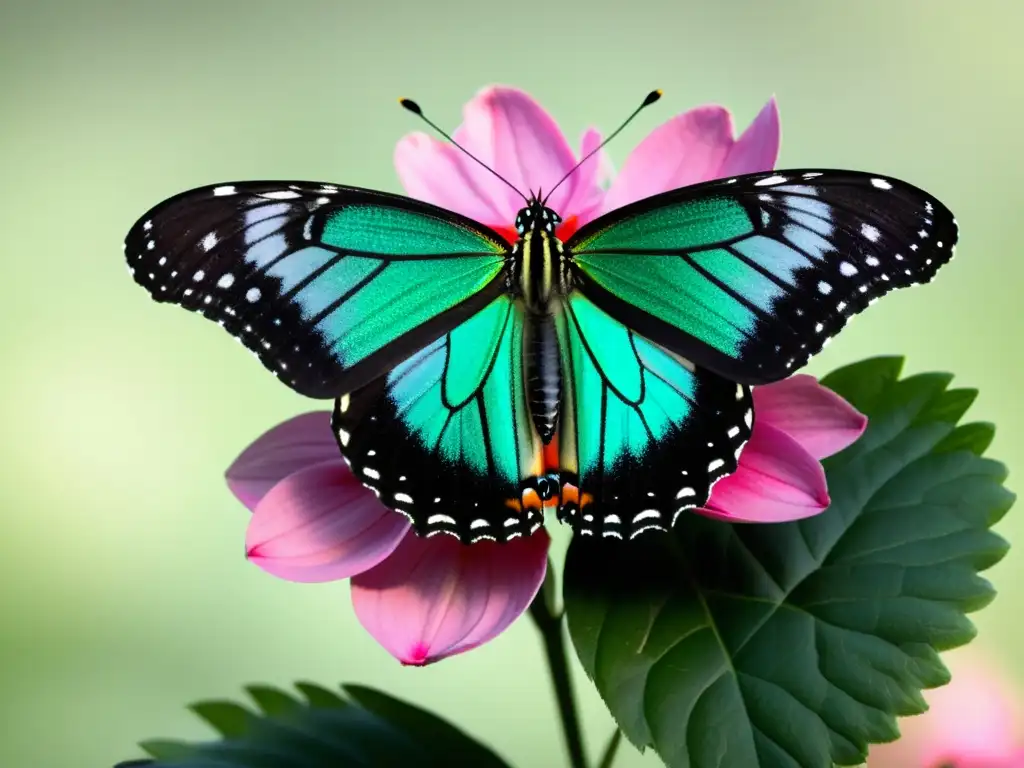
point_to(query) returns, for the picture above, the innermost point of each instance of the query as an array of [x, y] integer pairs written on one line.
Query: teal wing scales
[[645, 433], [328, 286], [751, 276], [445, 437]]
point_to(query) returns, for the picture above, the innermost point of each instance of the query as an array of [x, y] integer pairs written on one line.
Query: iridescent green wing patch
[[446, 438], [330, 286], [750, 276], [644, 432]]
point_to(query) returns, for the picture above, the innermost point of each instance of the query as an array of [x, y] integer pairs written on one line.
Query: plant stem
[[550, 625], [610, 750]]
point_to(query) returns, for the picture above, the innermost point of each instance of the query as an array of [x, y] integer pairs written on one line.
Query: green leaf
[[976, 438], [225, 717], [419, 723], [318, 696], [796, 645], [324, 731], [273, 701]]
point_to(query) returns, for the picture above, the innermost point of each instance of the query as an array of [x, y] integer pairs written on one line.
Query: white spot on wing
[[252, 295], [881, 184], [870, 232], [226, 280], [769, 181], [227, 189], [647, 514]]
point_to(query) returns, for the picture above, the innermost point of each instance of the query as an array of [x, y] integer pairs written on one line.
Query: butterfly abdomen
[[543, 373]]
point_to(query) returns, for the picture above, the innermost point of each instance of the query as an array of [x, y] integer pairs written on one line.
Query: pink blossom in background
[[973, 722], [797, 422], [421, 599], [515, 136]]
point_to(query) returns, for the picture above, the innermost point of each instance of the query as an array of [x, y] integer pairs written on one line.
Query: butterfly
[[479, 382]]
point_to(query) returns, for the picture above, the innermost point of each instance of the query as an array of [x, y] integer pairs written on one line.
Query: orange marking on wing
[[567, 228], [514, 505], [508, 233], [531, 499], [570, 494], [551, 455]]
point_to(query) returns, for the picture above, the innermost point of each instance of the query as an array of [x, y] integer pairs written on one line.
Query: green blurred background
[[123, 590]]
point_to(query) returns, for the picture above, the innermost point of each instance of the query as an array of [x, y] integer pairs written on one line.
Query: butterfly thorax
[[540, 278], [538, 270]]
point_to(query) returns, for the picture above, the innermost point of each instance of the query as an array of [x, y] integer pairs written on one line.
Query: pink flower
[[422, 599], [510, 132], [973, 722], [425, 599], [797, 423]]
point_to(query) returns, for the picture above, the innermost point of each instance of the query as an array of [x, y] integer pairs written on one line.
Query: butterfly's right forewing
[[751, 276]]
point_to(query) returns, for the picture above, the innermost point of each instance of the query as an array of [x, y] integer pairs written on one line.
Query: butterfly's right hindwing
[[644, 433]]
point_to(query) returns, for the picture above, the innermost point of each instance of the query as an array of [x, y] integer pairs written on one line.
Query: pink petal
[[290, 446], [513, 134], [438, 173], [777, 480], [696, 146], [436, 597], [815, 416], [510, 132], [758, 148], [974, 722], [321, 524], [1014, 760], [583, 193]]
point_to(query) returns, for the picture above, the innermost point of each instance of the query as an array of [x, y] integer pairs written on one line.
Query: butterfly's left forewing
[[644, 433], [445, 437], [329, 286], [751, 276]]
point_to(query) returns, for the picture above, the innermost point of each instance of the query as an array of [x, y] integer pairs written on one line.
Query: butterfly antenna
[[413, 107], [652, 97]]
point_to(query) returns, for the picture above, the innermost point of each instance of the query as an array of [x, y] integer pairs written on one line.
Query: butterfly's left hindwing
[[445, 437], [751, 276], [329, 286], [644, 432]]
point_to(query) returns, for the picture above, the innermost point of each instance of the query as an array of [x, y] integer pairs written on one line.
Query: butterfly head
[[536, 216]]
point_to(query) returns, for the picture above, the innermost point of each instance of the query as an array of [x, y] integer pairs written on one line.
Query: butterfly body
[[478, 382], [539, 275]]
